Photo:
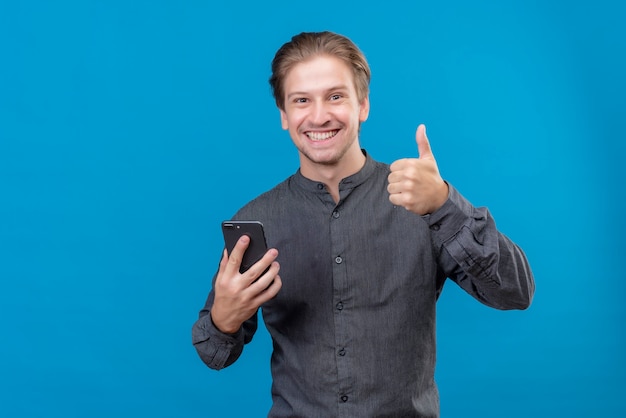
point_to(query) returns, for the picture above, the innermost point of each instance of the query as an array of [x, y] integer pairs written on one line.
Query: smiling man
[[365, 249]]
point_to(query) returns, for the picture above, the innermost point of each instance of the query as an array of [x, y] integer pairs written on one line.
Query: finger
[[398, 164], [265, 280], [395, 177], [223, 262], [236, 255], [257, 269], [274, 287], [423, 145], [396, 199], [394, 188], [269, 291]]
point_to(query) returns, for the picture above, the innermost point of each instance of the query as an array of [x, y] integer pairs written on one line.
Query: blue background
[[130, 129]]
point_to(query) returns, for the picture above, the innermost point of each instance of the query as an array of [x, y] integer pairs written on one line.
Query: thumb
[[423, 146]]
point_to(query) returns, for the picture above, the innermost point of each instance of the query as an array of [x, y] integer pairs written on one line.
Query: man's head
[[307, 45]]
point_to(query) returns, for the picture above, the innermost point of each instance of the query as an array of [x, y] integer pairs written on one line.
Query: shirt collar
[[349, 182]]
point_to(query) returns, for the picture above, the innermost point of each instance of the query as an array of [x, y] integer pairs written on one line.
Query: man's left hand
[[415, 183]]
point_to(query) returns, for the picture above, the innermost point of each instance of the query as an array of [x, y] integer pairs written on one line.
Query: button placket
[[338, 234]]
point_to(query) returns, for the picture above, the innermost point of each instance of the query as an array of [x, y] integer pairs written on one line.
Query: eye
[[335, 97], [300, 100]]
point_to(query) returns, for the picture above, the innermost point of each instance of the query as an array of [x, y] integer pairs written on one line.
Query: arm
[[216, 348], [469, 248], [480, 259], [229, 318]]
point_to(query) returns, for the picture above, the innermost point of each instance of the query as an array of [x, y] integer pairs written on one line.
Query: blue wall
[[130, 129]]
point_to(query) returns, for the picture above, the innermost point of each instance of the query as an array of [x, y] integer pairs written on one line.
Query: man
[[365, 249]]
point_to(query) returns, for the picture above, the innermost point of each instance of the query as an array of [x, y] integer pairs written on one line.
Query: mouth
[[321, 136]]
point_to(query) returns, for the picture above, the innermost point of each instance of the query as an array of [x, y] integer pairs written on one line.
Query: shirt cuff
[[214, 346]]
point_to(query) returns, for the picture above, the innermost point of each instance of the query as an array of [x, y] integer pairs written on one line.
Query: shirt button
[[338, 259], [320, 186], [339, 306], [336, 214], [344, 398], [435, 227], [342, 352]]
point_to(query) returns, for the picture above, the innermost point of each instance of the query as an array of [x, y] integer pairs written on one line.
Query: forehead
[[318, 73]]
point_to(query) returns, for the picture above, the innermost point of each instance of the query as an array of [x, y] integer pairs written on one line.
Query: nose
[[319, 114]]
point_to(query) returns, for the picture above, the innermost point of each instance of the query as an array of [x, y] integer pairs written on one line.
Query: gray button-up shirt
[[354, 323]]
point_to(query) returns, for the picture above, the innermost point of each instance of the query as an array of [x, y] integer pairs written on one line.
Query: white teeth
[[321, 136]]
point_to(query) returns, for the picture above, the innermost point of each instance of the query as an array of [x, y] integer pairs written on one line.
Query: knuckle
[[234, 259]]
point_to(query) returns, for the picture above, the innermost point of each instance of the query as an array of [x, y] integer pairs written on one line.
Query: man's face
[[322, 112]]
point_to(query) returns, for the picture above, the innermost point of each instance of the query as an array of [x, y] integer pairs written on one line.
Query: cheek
[[349, 113], [355, 117], [295, 120]]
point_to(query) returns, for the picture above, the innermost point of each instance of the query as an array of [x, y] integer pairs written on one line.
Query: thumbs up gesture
[[415, 183]]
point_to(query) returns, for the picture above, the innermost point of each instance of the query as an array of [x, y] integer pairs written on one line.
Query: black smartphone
[[233, 230]]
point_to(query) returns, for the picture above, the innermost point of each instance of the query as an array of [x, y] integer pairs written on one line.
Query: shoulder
[[381, 168], [264, 204], [377, 167]]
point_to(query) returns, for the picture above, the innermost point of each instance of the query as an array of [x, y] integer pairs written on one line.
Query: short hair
[[310, 44]]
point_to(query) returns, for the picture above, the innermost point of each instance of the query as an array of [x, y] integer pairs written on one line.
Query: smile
[[321, 136]]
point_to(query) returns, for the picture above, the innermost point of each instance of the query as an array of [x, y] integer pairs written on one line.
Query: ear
[[283, 119], [364, 109]]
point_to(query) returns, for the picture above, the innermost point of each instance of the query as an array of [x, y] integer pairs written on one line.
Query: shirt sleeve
[[217, 349], [480, 259]]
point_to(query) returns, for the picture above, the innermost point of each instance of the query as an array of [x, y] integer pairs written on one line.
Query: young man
[[365, 249]]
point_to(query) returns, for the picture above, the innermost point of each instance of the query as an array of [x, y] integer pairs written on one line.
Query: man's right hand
[[239, 295]]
